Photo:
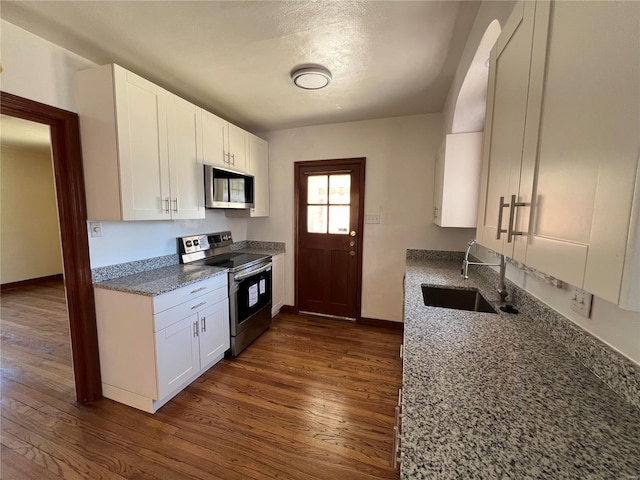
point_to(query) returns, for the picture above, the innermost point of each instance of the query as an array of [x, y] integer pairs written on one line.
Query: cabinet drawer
[[185, 309], [184, 294]]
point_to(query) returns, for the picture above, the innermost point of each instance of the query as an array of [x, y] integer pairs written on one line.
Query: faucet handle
[[472, 242]]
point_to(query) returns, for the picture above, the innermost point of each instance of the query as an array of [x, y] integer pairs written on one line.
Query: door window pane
[[340, 189], [339, 219], [317, 219], [317, 188]]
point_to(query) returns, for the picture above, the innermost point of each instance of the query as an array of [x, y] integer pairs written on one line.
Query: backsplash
[[618, 372], [109, 272], [101, 274]]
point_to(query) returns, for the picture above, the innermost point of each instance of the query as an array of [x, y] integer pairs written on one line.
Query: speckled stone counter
[[161, 280], [495, 396]]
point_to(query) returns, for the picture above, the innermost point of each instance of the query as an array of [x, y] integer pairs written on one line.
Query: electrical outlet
[[581, 302], [372, 218], [95, 228]]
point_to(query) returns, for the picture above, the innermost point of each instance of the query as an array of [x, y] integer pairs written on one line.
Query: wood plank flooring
[[310, 399]]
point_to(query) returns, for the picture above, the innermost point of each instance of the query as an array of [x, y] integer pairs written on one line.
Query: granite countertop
[[161, 280], [494, 396], [171, 275]]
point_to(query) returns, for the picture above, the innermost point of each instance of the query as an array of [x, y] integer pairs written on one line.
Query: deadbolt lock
[[352, 253], [352, 243], [353, 233]]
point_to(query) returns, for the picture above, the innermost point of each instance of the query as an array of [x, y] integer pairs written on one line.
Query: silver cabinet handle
[[233, 157], [204, 324], [435, 212], [175, 204], [512, 215], [195, 329], [198, 290], [198, 305], [401, 350], [500, 210], [166, 205], [400, 398]]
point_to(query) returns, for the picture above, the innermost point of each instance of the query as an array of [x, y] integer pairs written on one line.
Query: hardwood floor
[[310, 399]]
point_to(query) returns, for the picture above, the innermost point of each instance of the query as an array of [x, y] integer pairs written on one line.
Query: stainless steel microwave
[[227, 189]]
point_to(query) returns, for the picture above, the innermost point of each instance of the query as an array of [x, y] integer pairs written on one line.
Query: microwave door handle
[[242, 276]]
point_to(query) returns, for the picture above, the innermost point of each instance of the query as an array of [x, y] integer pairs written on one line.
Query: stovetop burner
[[233, 261]]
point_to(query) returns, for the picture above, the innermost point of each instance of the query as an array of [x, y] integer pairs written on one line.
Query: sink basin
[[444, 297]]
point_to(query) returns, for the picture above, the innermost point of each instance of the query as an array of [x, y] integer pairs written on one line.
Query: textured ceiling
[[234, 58]]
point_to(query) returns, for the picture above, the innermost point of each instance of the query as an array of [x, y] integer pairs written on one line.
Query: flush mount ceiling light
[[311, 78]]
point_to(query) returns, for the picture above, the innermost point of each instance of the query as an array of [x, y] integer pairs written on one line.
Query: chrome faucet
[[502, 288]]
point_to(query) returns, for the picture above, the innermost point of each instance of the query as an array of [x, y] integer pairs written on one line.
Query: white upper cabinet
[[587, 145], [224, 144], [564, 140], [185, 160], [504, 136], [236, 147], [259, 168], [140, 148], [213, 143], [456, 180]]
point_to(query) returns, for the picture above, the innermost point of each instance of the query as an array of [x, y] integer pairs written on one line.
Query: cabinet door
[[438, 182], [213, 140], [259, 168], [215, 338], [177, 354], [278, 284], [141, 115], [505, 128], [587, 145], [237, 147], [185, 160]]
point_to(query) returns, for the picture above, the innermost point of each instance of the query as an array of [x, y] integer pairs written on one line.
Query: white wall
[[488, 11], [39, 70], [400, 155], [128, 241], [27, 192]]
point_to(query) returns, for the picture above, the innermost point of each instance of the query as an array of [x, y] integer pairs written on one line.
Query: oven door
[[249, 293]]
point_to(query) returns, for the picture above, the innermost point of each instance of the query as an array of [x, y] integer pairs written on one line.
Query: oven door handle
[[242, 276]]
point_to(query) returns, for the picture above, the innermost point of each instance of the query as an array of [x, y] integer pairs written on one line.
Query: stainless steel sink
[[444, 297]]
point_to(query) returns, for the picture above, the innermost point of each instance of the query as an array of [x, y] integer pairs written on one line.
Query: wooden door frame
[[72, 214], [330, 164]]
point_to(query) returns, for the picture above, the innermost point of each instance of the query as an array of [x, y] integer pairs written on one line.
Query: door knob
[[353, 233]]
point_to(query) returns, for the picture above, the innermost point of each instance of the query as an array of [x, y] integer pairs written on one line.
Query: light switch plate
[[372, 218], [581, 302], [95, 228]]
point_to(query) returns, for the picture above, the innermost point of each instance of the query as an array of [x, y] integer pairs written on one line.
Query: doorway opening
[[329, 237], [72, 216]]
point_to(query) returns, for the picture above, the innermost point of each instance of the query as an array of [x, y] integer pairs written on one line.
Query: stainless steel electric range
[[249, 283]]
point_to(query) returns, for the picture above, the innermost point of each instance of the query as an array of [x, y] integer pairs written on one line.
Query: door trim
[[331, 165], [72, 214]]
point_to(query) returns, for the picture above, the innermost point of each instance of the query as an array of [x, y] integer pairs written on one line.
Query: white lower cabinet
[[153, 347], [277, 290]]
